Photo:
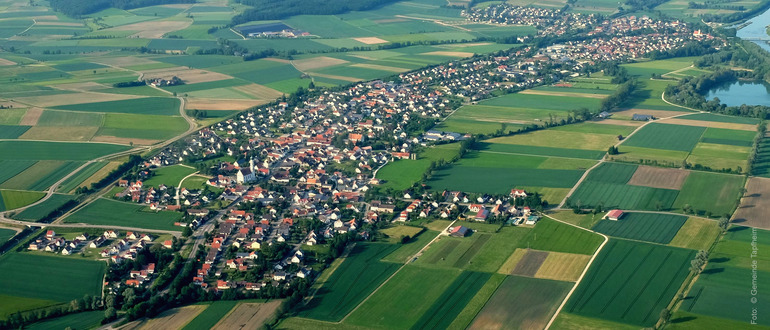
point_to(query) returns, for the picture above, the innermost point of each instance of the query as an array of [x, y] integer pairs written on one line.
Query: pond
[[741, 92]]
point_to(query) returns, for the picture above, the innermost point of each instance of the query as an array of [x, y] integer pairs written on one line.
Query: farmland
[[537, 300], [170, 176], [6, 234], [606, 185], [16, 199], [109, 212], [666, 137], [550, 235], [147, 106], [711, 192], [717, 293], [49, 278], [252, 313], [357, 277], [650, 227], [441, 314], [83, 320], [211, 315], [402, 174], [631, 282], [41, 210], [754, 206], [33, 150]]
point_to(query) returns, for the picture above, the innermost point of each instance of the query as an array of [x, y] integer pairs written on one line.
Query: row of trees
[[276, 10], [80, 7]]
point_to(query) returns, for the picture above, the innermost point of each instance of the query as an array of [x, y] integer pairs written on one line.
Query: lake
[[741, 92]]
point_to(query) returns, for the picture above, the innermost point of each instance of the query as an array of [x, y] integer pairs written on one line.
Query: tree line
[[80, 7], [276, 10]]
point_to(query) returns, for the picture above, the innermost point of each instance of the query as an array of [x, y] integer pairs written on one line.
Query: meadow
[[114, 213], [521, 302], [358, 275], [649, 227], [401, 174], [169, 175], [12, 199], [550, 235], [631, 282]]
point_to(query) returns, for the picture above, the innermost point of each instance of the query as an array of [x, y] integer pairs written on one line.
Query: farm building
[[614, 215], [641, 117], [459, 231]]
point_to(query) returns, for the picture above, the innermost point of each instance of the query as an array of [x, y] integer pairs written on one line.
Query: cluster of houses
[[58, 244], [139, 278], [162, 82], [118, 250], [550, 22]]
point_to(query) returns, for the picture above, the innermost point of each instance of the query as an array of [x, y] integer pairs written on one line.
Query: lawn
[[666, 137], [711, 192], [631, 282], [169, 175], [649, 227], [521, 303], [41, 210], [35, 150], [50, 277], [147, 106], [551, 235], [358, 275], [415, 288], [114, 213], [211, 315]]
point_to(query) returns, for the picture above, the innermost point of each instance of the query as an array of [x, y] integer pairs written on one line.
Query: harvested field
[[220, 104], [248, 315], [379, 67], [4, 62], [755, 205], [80, 133], [655, 113], [450, 53], [126, 141], [513, 260], [373, 40], [317, 63], [561, 94], [530, 263], [656, 177], [563, 266], [174, 318], [74, 98], [521, 303], [153, 29], [31, 116], [712, 124], [620, 122], [189, 76]]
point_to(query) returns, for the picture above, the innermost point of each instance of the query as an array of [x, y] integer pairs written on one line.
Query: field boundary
[[582, 275]]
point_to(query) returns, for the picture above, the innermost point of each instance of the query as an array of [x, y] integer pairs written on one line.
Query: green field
[[415, 288], [15, 199], [74, 181], [211, 315], [6, 234], [666, 137], [12, 168], [724, 288], [606, 186], [49, 277], [169, 175], [34, 150], [550, 235], [650, 227], [454, 299], [67, 118], [142, 126], [631, 282], [41, 210], [711, 192], [500, 180], [83, 320], [114, 213], [521, 303], [401, 174], [354, 280], [12, 132], [540, 151], [145, 106], [721, 118], [406, 251]]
